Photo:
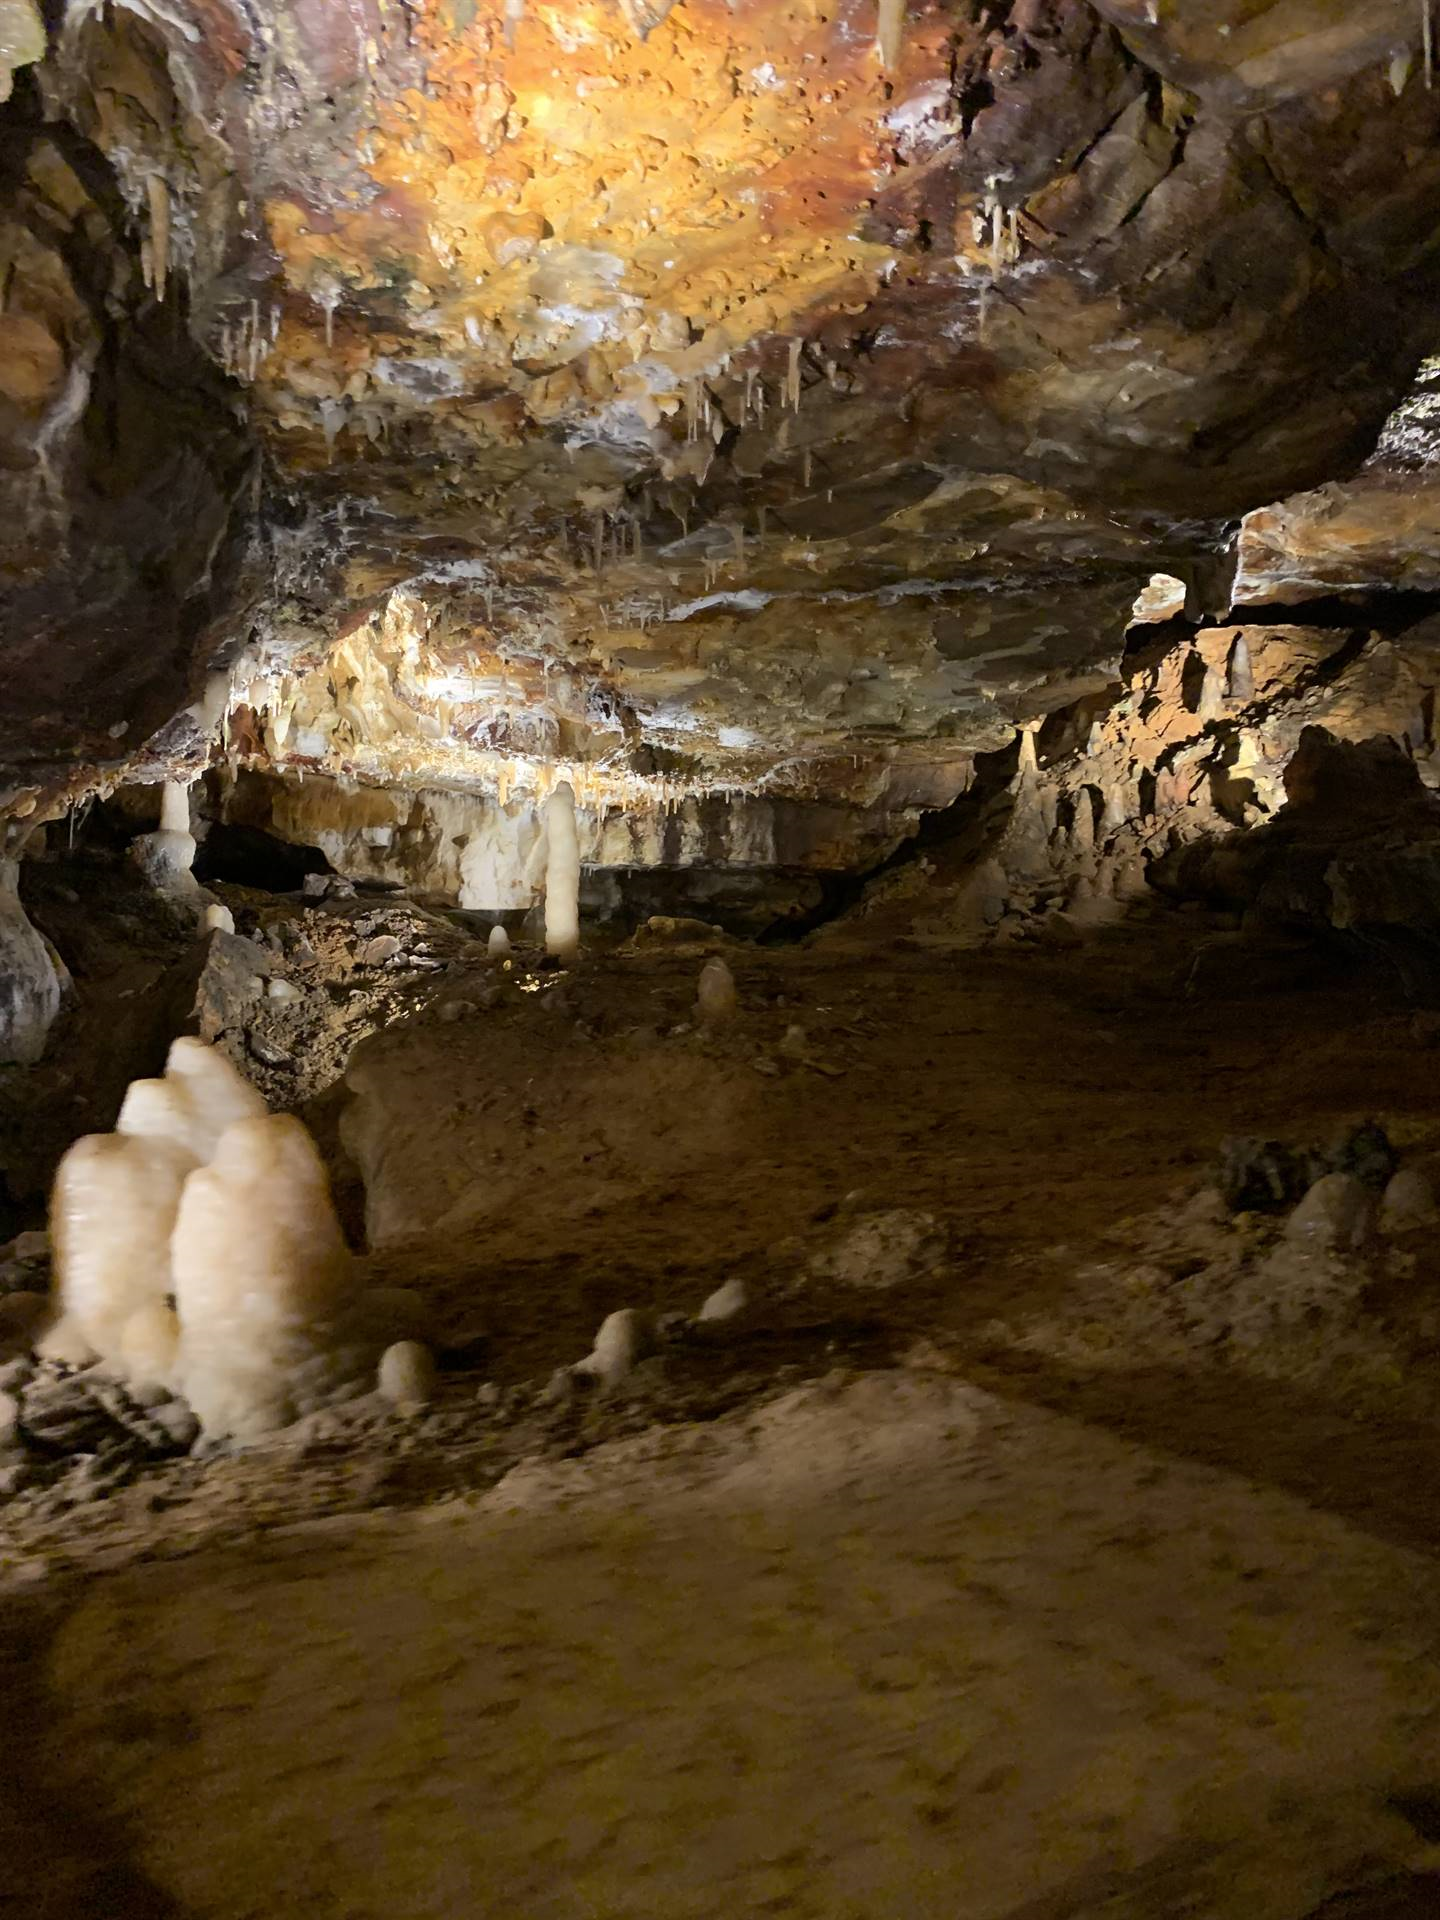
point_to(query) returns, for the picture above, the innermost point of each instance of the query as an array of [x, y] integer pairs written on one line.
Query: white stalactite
[[890, 32]]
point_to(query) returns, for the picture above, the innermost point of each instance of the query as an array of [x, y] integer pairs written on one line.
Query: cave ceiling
[[779, 397]]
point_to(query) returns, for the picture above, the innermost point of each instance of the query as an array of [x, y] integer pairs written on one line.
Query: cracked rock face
[[685, 401]]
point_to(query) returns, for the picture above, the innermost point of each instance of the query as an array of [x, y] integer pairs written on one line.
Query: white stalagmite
[[201, 1096], [261, 1276], [29, 983], [562, 873], [150, 1345], [115, 1201], [498, 945], [168, 854], [715, 997], [112, 1212]]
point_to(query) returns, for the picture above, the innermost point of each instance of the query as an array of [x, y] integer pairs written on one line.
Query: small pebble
[[377, 951], [285, 990], [178, 1421]]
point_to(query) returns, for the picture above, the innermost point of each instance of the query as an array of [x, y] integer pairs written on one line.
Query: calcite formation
[[262, 1278], [197, 1253], [685, 402]]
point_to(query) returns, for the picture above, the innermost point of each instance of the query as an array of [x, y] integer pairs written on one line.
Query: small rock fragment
[[218, 917], [1337, 1214], [176, 1420], [15, 1374], [285, 990], [377, 951], [9, 1420], [32, 1248], [407, 1374]]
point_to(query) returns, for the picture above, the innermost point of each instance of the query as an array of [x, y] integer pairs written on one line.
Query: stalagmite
[[624, 1338], [406, 1375], [29, 982], [167, 855], [1212, 694], [562, 873], [715, 997], [149, 1345], [1242, 675], [201, 1096], [261, 1278], [498, 945], [1082, 830], [218, 918], [112, 1212]]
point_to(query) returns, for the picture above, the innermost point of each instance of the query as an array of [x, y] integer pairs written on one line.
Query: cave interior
[[720, 958]]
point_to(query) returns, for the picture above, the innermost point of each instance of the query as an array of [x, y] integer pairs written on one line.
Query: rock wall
[[1197, 745]]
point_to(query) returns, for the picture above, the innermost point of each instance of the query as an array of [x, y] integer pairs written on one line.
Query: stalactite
[[890, 32], [158, 195], [1427, 41], [792, 377]]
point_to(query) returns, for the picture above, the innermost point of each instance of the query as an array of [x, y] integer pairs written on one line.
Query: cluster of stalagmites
[[197, 1253]]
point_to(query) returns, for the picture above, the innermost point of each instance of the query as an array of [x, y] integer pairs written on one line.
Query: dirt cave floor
[[1041, 1537]]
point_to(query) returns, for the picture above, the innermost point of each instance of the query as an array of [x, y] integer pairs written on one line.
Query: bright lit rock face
[[678, 400]]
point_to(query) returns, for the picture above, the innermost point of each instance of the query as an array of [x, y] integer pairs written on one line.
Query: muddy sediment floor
[[981, 1182]]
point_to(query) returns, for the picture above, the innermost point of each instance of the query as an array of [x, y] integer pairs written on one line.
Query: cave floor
[[965, 1573]]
